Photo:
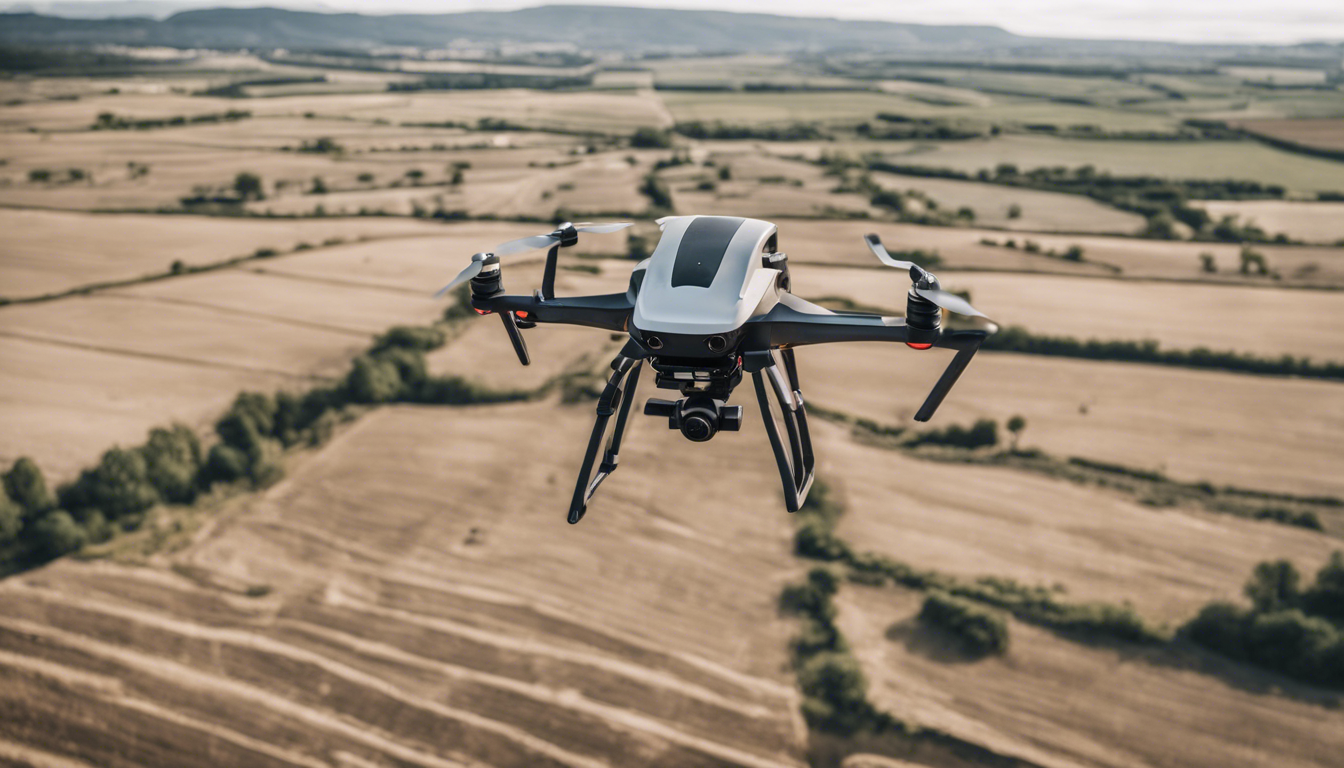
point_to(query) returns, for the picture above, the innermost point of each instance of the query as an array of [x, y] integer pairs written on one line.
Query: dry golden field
[[409, 595]]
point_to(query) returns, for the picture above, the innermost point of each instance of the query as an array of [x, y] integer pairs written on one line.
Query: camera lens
[[716, 343], [697, 428], [653, 342]]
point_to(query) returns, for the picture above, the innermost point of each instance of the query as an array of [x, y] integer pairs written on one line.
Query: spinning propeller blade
[[926, 283], [602, 229], [473, 269], [949, 301], [529, 243]]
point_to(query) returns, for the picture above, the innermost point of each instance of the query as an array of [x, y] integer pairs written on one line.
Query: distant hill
[[588, 27]]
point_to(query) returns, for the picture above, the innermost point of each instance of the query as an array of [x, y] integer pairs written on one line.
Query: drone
[[712, 303]]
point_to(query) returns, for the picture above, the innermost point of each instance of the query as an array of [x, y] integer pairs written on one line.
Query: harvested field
[[1261, 321], [841, 242], [1040, 211], [1310, 221], [1200, 160], [762, 187], [48, 251], [1058, 704], [426, 628], [1320, 134], [1194, 425], [977, 520]]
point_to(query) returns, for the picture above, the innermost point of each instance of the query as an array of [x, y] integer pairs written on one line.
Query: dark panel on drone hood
[[702, 248]]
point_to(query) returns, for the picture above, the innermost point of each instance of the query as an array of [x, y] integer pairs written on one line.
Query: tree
[[121, 484], [1075, 253], [1326, 596], [373, 380], [1207, 263], [248, 186], [1253, 260], [457, 177], [1015, 425], [725, 173], [11, 519], [57, 534], [319, 186], [172, 461], [1273, 586], [415, 175], [836, 693], [651, 138], [26, 486]]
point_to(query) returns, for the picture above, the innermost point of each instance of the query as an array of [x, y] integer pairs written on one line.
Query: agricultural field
[[1193, 425], [401, 589], [1179, 315], [1312, 222], [1177, 160]]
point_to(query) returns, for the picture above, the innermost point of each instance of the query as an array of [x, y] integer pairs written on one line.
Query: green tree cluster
[[1295, 630]]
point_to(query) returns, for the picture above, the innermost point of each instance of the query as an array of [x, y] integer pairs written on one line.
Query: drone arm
[[794, 322], [548, 275], [609, 311]]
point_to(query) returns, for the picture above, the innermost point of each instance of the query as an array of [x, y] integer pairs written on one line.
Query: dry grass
[[1260, 432], [1325, 134], [48, 251], [1309, 221], [1062, 705], [410, 617]]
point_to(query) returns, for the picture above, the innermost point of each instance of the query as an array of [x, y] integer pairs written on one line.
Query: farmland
[[400, 589]]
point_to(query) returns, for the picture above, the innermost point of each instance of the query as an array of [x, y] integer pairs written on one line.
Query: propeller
[[565, 234], [925, 282], [558, 236]]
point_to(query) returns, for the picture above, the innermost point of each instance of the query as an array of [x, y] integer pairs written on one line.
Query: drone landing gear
[[626, 367], [796, 463]]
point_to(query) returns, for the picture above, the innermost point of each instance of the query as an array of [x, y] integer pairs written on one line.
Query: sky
[[1205, 21]]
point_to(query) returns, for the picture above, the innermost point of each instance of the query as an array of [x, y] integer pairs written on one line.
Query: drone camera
[[716, 343], [699, 417]]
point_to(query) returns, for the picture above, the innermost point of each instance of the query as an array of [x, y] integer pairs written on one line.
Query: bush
[[56, 534], [373, 380], [1297, 633], [119, 486], [1326, 596], [835, 693], [651, 138], [26, 486], [11, 519], [657, 192], [985, 432], [409, 337], [172, 462], [224, 464], [980, 631], [248, 186]]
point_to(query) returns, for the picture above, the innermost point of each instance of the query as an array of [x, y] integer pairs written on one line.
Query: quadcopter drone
[[713, 302]]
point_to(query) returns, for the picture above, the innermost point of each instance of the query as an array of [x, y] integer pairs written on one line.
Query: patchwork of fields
[[409, 595]]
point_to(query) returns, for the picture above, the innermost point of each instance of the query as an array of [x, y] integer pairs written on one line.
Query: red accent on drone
[[521, 314], [914, 345], [481, 311]]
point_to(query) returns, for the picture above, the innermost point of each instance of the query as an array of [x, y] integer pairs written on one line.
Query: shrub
[[25, 484], [11, 519], [118, 486], [409, 337], [373, 380], [835, 693], [224, 464], [651, 138], [39, 174], [981, 632], [657, 192], [985, 432], [57, 533], [247, 186], [1326, 596], [1273, 585], [172, 462]]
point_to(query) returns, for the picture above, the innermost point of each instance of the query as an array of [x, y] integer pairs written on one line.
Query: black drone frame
[[766, 345]]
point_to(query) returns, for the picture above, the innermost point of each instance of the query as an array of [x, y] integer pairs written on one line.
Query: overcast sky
[[1270, 21]]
